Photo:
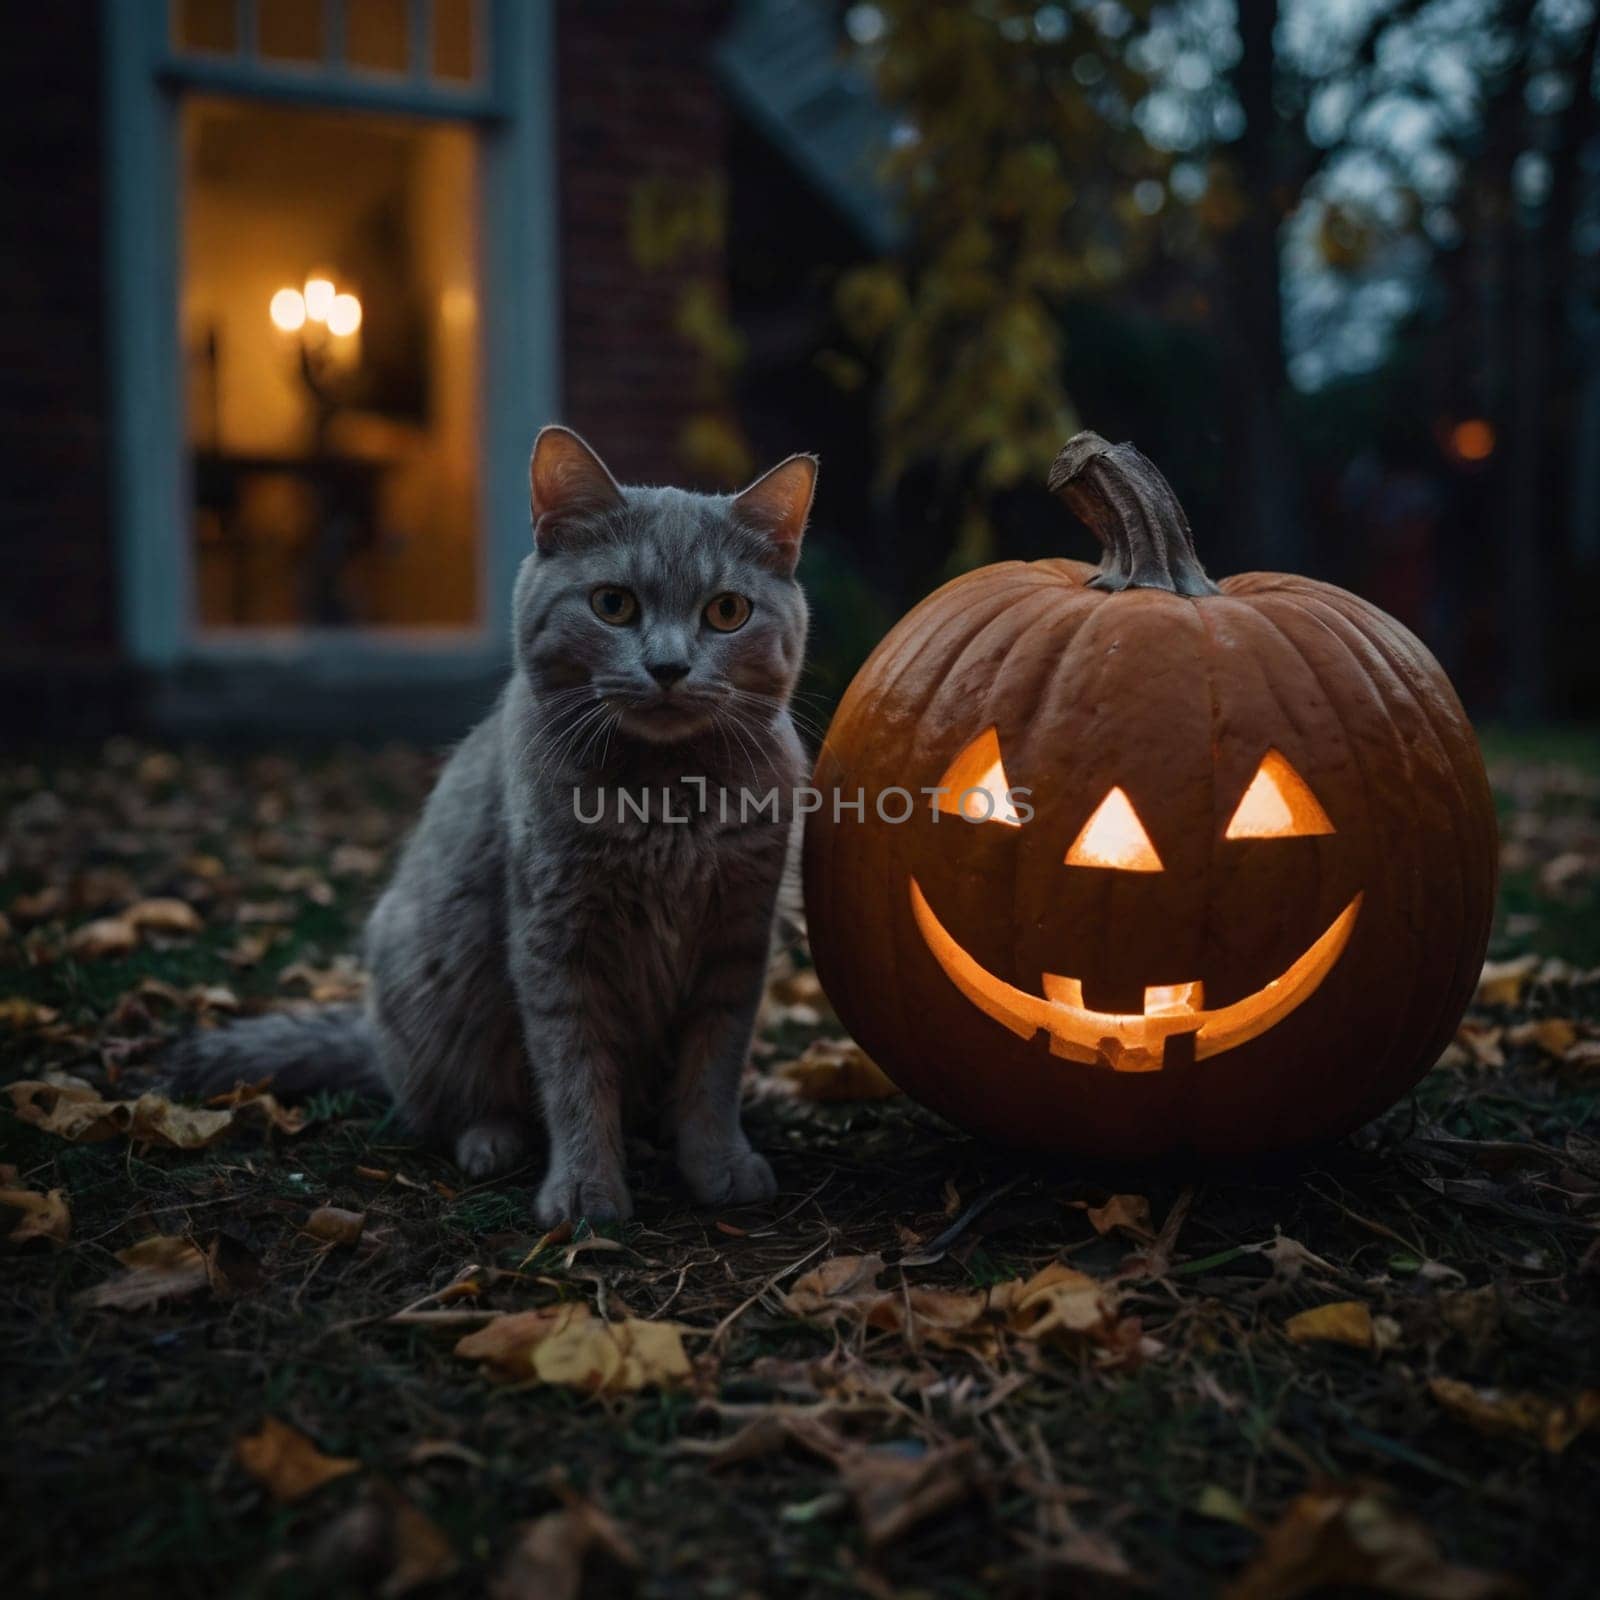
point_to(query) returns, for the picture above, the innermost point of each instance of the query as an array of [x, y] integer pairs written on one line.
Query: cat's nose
[[667, 673]]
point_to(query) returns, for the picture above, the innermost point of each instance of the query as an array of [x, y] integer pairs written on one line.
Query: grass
[[1467, 1221]]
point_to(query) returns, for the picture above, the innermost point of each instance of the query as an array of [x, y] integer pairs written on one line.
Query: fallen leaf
[[570, 1346], [382, 1545], [335, 1226], [897, 1486], [105, 936], [1554, 1036], [554, 1554], [20, 1014], [1129, 1212], [41, 905], [1351, 1538], [1482, 1043], [1502, 982], [164, 916], [1553, 1423], [1586, 1053], [1338, 1322], [74, 1111], [286, 1463], [836, 1070], [160, 1267], [44, 1216]]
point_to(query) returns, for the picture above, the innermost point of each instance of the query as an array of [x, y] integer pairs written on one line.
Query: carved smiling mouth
[[1128, 1041]]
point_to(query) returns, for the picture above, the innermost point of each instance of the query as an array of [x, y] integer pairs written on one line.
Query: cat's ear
[[566, 479], [777, 505]]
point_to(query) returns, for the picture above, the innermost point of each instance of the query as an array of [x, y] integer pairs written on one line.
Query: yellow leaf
[[570, 1346], [15, 1012], [105, 936], [1555, 1036], [74, 1111], [44, 1216], [1554, 1423], [1339, 1322], [836, 1070], [1502, 982], [160, 1267], [1129, 1212], [286, 1463], [165, 916]]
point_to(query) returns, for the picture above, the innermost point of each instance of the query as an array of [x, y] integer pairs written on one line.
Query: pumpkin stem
[[1131, 509]]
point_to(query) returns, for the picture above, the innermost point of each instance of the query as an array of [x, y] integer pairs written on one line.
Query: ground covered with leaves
[[262, 1349]]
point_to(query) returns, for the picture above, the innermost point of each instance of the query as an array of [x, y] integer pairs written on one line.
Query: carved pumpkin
[[1189, 866]]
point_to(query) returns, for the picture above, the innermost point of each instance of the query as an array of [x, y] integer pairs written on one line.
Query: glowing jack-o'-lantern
[[1191, 866]]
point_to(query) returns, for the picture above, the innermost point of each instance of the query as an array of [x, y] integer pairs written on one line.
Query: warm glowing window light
[[344, 315], [1114, 837], [976, 786], [1277, 805], [319, 297], [288, 310]]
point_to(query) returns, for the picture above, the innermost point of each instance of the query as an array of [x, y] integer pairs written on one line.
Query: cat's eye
[[726, 612], [614, 605]]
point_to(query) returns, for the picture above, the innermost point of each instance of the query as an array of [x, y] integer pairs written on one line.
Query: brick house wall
[[57, 564], [639, 114]]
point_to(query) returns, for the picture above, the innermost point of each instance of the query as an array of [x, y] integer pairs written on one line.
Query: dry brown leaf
[[1350, 1538], [1338, 1322], [895, 1488], [75, 1111], [20, 1014], [5, 927], [355, 861], [382, 1545], [554, 1554], [1502, 982], [569, 1345], [260, 1102], [44, 1216], [105, 936], [160, 1267], [1482, 1043], [335, 1226], [1585, 1053], [164, 916], [1129, 1212], [840, 1278], [1553, 1423], [327, 985], [41, 905], [836, 1070], [286, 1463], [1554, 1036]]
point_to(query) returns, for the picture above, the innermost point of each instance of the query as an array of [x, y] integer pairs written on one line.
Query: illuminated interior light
[[288, 310], [344, 315], [1114, 837], [1124, 1041], [975, 773], [319, 298], [1277, 805]]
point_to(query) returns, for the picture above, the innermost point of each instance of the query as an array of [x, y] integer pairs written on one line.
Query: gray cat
[[577, 932]]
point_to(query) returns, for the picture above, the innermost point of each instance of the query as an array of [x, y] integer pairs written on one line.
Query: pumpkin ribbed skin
[[1174, 699]]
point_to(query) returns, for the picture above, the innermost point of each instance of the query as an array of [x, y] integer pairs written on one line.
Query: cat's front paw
[[566, 1197], [734, 1176]]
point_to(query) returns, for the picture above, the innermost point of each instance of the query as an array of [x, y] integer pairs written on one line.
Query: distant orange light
[[1472, 440]]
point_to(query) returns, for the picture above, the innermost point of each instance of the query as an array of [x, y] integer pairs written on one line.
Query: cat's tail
[[331, 1049]]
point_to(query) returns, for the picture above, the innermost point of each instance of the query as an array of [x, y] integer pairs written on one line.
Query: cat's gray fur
[[528, 969]]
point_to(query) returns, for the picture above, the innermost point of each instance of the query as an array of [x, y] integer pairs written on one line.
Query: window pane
[[290, 30], [455, 38], [206, 25], [375, 35], [330, 329]]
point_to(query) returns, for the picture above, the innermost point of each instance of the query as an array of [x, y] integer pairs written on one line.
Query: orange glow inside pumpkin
[[975, 773], [1114, 837], [1123, 1041], [1277, 805]]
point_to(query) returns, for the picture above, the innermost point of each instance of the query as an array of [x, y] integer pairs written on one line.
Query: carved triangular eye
[[976, 786], [1277, 805], [1114, 837]]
